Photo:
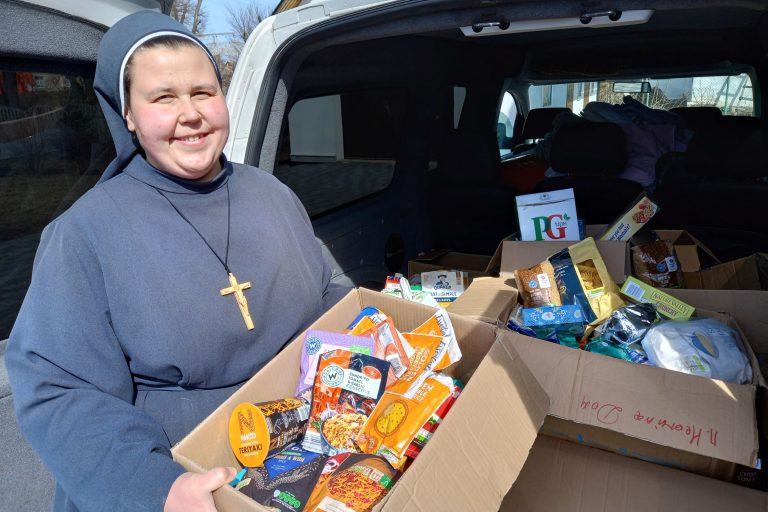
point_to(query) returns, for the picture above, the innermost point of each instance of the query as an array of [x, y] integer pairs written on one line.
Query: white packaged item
[[548, 216], [703, 346]]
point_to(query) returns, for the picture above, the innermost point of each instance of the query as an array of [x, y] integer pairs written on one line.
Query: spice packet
[[537, 286], [317, 342], [285, 481], [426, 432], [352, 482], [347, 388], [397, 419]]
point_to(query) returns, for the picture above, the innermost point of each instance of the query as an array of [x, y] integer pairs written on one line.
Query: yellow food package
[[600, 289], [397, 419], [428, 350], [439, 324]]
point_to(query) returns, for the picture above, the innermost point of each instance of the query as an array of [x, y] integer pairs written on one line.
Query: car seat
[[590, 156], [470, 210], [538, 123], [698, 118]]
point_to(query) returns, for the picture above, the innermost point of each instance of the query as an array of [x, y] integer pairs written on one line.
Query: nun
[[162, 289]]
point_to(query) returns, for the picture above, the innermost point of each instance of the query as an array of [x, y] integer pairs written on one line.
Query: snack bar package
[[390, 344], [318, 342], [538, 286], [285, 481], [655, 263], [701, 346], [426, 432], [600, 289], [397, 419], [352, 482], [347, 388]]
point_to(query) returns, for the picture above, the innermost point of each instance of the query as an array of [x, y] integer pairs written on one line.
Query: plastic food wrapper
[[563, 324], [632, 353], [655, 263], [426, 432], [397, 419], [398, 286], [620, 335], [538, 286], [600, 289], [515, 323], [390, 343], [352, 482], [569, 284], [440, 324], [317, 342], [285, 481], [347, 388], [703, 346]]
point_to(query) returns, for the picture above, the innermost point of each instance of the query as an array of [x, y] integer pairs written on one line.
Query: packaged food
[[285, 481], [352, 482], [440, 324], [426, 432], [389, 342], [445, 286], [565, 324], [398, 286], [635, 217], [632, 353], [628, 325], [347, 388], [701, 346], [600, 289], [667, 305], [655, 263], [549, 215], [569, 285], [537, 286], [397, 419], [258, 431], [317, 342]]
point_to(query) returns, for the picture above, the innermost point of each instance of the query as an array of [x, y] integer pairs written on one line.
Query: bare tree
[[190, 13], [243, 19]]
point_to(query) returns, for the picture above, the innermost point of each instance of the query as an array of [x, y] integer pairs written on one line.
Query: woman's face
[[177, 111]]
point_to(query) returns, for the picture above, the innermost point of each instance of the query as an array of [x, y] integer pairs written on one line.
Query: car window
[[53, 145], [339, 148], [505, 126], [731, 94]]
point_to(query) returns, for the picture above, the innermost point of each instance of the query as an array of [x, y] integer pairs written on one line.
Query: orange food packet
[[439, 324], [397, 419], [390, 343]]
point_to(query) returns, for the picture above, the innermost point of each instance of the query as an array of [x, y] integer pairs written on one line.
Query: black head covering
[[117, 45]]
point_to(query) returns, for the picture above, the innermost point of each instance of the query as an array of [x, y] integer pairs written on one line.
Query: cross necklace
[[234, 287]]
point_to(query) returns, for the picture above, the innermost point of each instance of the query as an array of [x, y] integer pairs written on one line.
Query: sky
[[217, 12]]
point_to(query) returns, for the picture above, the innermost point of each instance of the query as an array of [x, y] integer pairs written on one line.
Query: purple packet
[[316, 342]]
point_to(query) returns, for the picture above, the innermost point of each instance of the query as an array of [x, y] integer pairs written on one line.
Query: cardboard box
[[548, 216], [738, 274], [473, 458], [475, 265], [692, 254], [565, 477], [488, 299], [674, 419]]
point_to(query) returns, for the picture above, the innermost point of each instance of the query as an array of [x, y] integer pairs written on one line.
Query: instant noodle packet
[[390, 344], [352, 482], [347, 388], [397, 419], [318, 342]]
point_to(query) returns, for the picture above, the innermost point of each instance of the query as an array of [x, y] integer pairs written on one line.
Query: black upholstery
[[698, 118], [591, 155], [538, 123], [470, 211]]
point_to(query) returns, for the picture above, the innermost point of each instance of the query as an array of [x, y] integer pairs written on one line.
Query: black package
[[569, 285]]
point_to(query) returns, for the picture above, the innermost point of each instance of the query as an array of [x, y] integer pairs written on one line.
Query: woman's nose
[[189, 112]]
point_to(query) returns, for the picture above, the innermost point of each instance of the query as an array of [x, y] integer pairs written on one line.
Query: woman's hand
[[191, 492]]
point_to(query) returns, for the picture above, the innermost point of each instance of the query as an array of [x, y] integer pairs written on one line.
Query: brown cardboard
[[565, 477], [693, 423], [488, 299], [516, 255], [738, 274], [686, 248], [473, 458], [476, 265]]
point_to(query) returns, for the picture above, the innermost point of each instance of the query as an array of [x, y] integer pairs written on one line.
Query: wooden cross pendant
[[242, 302]]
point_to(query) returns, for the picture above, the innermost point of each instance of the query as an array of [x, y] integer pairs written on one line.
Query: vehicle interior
[[423, 161]]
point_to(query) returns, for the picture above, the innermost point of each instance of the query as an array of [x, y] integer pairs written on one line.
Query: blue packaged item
[[563, 323], [569, 285]]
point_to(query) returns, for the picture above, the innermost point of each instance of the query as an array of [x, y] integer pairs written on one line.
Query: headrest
[[697, 118], [728, 151], [538, 122], [469, 158], [589, 148]]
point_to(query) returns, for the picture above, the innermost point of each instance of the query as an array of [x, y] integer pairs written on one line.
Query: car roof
[[102, 12]]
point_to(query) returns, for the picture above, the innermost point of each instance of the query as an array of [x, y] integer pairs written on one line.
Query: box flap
[[686, 248], [516, 255], [565, 477], [488, 299], [484, 441], [739, 274], [698, 415]]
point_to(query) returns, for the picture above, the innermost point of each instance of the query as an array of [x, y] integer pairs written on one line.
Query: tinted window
[[53, 146], [339, 148]]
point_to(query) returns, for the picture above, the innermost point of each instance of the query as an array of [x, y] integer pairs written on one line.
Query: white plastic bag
[[704, 347]]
